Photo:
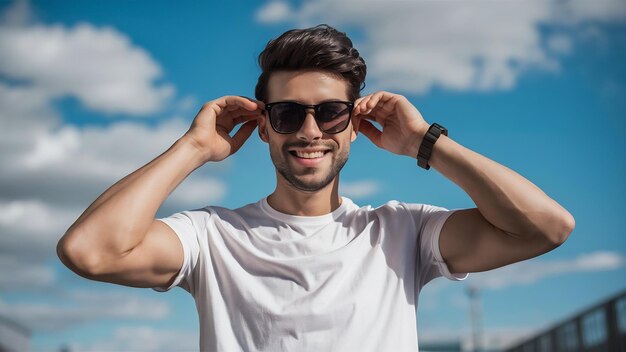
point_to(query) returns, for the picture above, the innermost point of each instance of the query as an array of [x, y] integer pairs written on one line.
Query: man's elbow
[[75, 257], [562, 228]]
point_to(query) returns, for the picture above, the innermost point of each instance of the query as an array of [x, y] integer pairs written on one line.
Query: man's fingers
[[242, 135], [361, 105], [379, 101], [260, 104], [372, 102], [245, 118], [231, 103], [246, 103], [357, 104], [228, 107], [370, 131], [228, 118]]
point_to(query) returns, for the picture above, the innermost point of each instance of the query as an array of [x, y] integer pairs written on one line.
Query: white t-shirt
[[345, 281]]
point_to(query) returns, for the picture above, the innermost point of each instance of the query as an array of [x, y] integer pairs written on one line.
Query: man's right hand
[[211, 128]]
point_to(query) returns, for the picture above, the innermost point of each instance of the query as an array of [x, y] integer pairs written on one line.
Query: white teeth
[[309, 155]]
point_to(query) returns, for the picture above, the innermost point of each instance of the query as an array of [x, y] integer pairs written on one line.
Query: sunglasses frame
[[350, 105]]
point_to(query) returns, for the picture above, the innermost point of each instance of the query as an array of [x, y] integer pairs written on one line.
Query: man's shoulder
[[250, 210], [395, 208], [213, 211], [396, 204]]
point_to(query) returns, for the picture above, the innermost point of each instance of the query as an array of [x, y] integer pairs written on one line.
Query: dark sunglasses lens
[[287, 117], [333, 117]]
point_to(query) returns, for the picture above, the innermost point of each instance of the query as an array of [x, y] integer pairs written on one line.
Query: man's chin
[[308, 183]]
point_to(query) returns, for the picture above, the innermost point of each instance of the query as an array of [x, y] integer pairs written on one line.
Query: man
[[305, 269]]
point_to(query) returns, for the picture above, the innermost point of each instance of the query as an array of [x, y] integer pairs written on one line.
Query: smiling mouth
[[308, 155]]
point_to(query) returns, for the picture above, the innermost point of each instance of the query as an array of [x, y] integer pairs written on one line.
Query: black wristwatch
[[426, 148]]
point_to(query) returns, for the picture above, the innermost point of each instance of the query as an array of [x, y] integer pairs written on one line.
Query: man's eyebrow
[[303, 103]]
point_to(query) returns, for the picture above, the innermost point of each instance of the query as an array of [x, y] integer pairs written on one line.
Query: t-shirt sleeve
[[430, 263], [185, 225]]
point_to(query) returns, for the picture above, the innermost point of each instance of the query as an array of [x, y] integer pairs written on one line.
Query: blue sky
[[91, 91]]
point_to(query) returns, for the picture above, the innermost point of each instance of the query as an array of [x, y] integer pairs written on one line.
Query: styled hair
[[321, 47]]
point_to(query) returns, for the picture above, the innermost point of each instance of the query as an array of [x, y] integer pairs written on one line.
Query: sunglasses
[[288, 116]]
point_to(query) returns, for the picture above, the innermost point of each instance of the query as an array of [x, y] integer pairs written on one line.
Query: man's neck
[[290, 200]]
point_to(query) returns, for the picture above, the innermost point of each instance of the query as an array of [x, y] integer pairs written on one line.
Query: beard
[[279, 158]]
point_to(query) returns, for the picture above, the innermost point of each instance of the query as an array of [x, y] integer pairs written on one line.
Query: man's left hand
[[403, 127]]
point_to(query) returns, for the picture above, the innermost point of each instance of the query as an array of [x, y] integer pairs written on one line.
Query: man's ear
[[355, 128], [263, 129]]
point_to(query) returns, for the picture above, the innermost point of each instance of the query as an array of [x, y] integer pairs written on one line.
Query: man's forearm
[[506, 199], [117, 221]]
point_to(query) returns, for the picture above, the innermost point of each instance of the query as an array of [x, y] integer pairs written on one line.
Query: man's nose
[[309, 130]]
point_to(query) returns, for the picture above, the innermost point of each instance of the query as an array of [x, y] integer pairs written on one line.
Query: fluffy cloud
[[99, 66], [56, 173], [29, 230], [519, 274], [25, 112], [414, 46], [15, 275], [144, 339], [273, 11], [532, 271], [359, 189], [85, 307], [198, 192], [50, 171], [71, 166]]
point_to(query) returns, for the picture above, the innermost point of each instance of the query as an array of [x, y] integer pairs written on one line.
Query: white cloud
[[147, 339], [51, 148], [196, 192], [17, 14], [83, 308], [20, 214], [188, 103], [414, 46], [64, 169], [15, 275], [274, 11], [99, 66], [576, 11], [359, 189], [29, 231], [51, 172], [560, 43], [61, 163], [101, 152], [531, 271], [24, 112], [47, 187]]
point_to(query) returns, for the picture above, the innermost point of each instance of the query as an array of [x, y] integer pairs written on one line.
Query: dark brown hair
[[321, 47]]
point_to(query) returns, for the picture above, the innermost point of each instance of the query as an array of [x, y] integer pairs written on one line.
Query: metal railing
[[600, 328]]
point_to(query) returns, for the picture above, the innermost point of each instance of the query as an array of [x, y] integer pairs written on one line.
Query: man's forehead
[[307, 86]]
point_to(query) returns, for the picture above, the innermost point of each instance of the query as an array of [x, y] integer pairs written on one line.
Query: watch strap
[[428, 142]]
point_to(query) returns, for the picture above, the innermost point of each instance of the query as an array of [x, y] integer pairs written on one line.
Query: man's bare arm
[[117, 238], [514, 220]]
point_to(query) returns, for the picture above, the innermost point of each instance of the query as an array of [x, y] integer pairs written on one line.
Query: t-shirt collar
[[320, 219]]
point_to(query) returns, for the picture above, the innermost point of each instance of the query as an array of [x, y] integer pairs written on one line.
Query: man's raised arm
[[117, 238], [514, 219]]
